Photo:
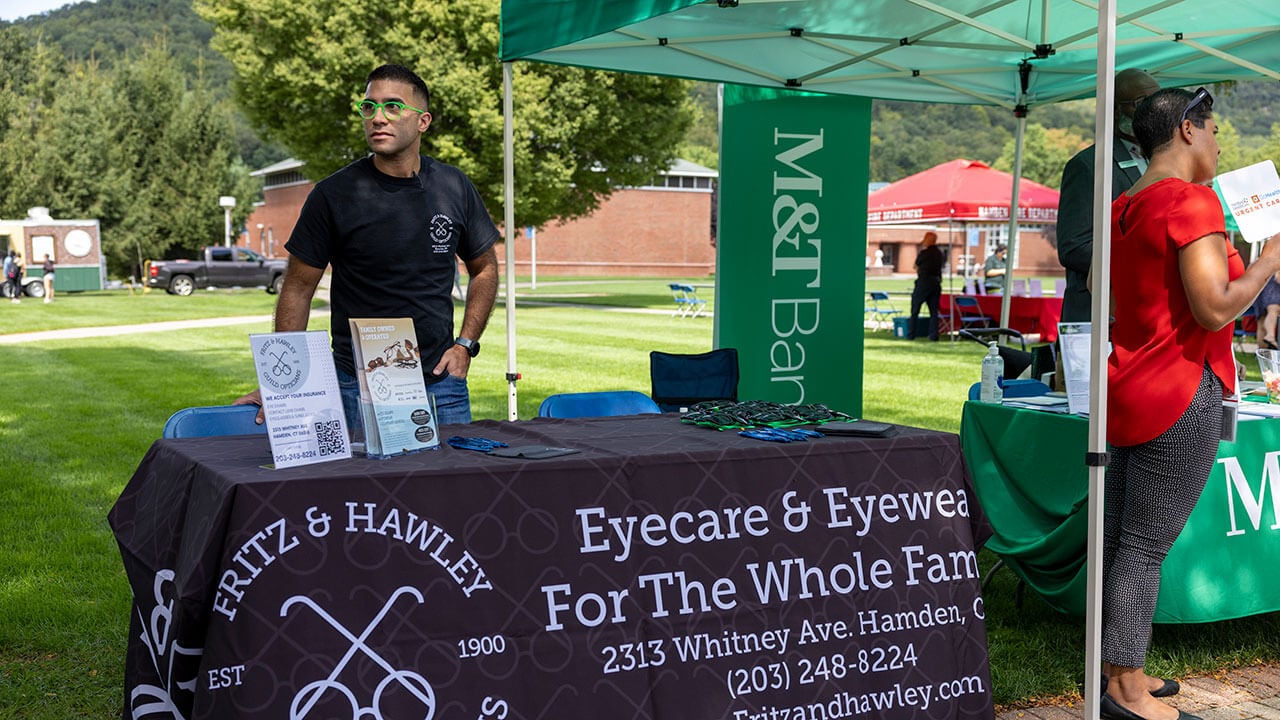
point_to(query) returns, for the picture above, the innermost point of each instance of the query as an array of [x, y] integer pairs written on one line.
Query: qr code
[[330, 437]]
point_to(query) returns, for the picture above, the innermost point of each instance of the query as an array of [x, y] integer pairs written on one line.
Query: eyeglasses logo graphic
[[391, 110], [285, 365], [311, 694], [176, 667], [441, 227]]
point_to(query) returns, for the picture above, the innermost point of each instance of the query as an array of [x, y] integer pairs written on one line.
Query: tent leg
[[509, 229], [1101, 268], [1012, 256]]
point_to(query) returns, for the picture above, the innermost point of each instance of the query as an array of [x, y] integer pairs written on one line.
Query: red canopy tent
[[960, 190]]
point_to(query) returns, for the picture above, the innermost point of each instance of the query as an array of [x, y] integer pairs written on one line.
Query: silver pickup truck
[[220, 267]]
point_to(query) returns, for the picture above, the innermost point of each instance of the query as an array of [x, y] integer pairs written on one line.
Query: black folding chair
[[1016, 359], [679, 381]]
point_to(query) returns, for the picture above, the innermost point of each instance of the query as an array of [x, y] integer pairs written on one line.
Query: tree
[[135, 147], [301, 67], [1044, 153], [175, 152]]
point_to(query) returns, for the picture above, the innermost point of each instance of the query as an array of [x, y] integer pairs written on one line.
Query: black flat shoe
[[1111, 710], [1169, 689]]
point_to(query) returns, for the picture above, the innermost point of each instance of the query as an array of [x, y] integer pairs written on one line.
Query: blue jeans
[[453, 403]]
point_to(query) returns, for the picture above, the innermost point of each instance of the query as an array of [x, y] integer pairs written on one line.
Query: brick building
[[966, 246], [74, 245], [663, 229]]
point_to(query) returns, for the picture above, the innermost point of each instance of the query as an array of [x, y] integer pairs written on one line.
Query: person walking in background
[[993, 270], [1178, 286], [13, 275], [928, 288], [393, 225], [47, 278], [1075, 204], [1266, 311]]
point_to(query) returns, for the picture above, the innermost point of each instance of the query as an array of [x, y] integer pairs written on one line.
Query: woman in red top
[[1178, 287]]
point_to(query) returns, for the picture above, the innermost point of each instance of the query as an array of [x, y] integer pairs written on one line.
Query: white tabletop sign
[[1075, 341], [1252, 195], [300, 397]]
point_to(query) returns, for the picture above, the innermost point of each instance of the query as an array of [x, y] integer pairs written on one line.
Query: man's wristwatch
[[471, 346]]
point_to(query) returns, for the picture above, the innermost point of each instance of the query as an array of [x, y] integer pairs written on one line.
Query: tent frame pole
[[509, 230], [1012, 256], [1096, 457]]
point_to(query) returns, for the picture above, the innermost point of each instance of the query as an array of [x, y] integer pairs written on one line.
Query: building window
[[292, 177]]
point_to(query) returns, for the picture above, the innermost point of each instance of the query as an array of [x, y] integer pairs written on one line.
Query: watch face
[[471, 346]]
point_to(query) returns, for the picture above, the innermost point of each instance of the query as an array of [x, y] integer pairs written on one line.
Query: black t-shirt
[[391, 242], [929, 264]]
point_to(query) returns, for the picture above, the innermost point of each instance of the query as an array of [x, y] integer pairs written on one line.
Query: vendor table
[[1029, 472], [665, 571], [1027, 314]]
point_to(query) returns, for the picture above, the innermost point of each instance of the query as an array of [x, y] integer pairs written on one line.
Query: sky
[[14, 9]]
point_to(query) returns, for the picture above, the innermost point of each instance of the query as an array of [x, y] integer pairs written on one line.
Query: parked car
[[219, 267], [31, 287]]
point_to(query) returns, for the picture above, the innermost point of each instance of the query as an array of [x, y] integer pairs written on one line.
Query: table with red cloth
[[663, 571], [1039, 315]]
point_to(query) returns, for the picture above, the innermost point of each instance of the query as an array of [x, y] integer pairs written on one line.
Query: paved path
[[90, 332], [1242, 694], [107, 331]]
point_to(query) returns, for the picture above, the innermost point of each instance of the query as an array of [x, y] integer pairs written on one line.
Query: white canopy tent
[[1013, 54]]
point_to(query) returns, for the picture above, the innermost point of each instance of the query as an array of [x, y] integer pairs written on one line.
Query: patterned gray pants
[[1151, 490]]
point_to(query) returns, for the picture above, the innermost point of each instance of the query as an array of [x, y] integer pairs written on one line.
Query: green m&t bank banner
[[791, 266]]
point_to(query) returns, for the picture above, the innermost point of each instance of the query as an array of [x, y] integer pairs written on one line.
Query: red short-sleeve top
[[1158, 349]]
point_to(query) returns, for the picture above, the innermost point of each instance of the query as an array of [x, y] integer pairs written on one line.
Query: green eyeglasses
[[391, 110]]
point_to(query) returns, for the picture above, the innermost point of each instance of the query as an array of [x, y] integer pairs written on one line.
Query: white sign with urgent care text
[[300, 397], [1252, 194]]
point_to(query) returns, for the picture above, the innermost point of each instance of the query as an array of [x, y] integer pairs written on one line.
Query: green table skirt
[[1029, 474]]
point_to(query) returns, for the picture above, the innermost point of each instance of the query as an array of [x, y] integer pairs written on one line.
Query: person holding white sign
[[1178, 286]]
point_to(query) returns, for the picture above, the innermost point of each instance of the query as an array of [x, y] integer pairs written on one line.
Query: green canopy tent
[[1013, 54]]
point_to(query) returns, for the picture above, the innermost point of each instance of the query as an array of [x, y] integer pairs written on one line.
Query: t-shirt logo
[[441, 228]]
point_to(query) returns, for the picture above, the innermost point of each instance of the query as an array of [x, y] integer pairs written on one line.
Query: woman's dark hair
[[400, 73], [1157, 118]]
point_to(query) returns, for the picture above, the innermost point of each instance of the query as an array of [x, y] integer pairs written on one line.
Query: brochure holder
[[398, 413]]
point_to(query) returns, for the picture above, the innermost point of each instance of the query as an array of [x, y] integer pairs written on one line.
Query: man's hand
[[253, 398], [455, 361]]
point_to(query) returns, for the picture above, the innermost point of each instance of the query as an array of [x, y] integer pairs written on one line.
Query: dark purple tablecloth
[[666, 571]]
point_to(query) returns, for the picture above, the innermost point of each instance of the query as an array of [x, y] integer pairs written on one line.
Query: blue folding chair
[[970, 312], [688, 304], [214, 420], [880, 309], [597, 404]]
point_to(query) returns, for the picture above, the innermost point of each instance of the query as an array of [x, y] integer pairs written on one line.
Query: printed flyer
[[300, 397], [399, 415], [1252, 194]]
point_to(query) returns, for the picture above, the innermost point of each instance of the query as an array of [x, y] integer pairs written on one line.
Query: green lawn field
[[80, 413]]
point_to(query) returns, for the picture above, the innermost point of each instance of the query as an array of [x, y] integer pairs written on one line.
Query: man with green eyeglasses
[[392, 225]]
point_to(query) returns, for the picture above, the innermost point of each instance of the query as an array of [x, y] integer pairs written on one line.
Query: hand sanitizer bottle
[[992, 390]]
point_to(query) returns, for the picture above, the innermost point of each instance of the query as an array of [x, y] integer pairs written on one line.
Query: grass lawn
[[90, 408]]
